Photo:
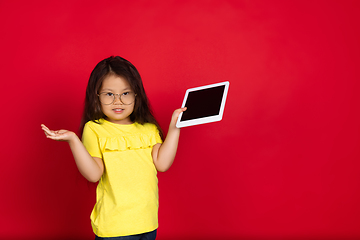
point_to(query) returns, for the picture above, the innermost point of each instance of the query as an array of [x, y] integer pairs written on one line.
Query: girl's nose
[[117, 99]]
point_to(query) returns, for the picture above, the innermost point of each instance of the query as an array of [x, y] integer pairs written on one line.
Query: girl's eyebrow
[[109, 89], [106, 89]]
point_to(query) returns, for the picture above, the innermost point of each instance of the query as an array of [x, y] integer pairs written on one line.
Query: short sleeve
[[91, 142], [157, 136]]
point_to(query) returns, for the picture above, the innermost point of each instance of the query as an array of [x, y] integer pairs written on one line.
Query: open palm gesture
[[59, 135]]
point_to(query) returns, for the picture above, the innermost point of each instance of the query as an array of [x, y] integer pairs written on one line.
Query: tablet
[[204, 104]]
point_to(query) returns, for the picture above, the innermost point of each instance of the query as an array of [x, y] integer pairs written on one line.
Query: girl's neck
[[120, 122]]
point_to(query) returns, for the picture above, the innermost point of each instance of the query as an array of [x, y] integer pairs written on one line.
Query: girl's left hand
[[175, 117]]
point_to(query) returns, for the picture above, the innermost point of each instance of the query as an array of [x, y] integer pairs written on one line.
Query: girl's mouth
[[118, 110]]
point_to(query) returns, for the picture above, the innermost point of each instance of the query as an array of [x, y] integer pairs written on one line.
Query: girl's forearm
[[164, 154], [91, 168], [167, 150]]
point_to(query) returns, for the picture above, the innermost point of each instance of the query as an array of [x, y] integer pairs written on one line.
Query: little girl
[[121, 148]]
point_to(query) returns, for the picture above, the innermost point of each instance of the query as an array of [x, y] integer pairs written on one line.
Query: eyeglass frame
[[115, 98]]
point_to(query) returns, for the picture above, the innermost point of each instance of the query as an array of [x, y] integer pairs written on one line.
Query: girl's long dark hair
[[121, 67]]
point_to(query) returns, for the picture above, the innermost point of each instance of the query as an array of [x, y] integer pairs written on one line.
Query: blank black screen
[[203, 103]]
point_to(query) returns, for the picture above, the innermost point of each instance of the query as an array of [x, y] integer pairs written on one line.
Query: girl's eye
[[126, 93], [109, 94]]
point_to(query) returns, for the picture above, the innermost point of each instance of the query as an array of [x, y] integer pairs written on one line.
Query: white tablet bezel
[[215, 118]]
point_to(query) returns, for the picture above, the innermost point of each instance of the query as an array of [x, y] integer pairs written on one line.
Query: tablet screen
[[203, 103]]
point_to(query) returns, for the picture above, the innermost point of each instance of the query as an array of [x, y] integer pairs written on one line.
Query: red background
[[282, 164]]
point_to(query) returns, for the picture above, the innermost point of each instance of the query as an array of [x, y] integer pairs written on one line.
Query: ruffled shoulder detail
[[122, 143]]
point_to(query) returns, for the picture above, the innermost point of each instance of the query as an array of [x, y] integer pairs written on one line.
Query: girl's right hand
[[60, 135]]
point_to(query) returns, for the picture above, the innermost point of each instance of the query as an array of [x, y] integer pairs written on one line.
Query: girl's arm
[[164, 154], [91, 168]]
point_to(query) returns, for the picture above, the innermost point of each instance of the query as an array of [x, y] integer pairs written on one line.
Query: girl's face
[[117, 111]]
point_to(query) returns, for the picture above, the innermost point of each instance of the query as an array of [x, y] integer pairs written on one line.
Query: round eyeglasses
[[108, 98]]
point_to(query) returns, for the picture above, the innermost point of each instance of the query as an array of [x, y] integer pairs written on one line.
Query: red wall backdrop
[[283, 163]]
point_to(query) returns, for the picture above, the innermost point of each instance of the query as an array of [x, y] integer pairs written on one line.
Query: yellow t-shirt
[[127, 194]]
